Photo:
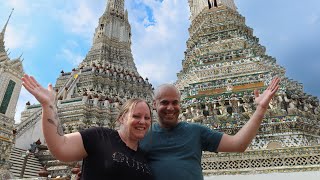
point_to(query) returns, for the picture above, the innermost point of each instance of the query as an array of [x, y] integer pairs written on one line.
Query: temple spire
[[5, 26], [198, 6], [2, 47], [115, 6], [114, 23]]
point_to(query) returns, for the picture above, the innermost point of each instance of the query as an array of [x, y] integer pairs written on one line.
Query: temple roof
[[16, 63]]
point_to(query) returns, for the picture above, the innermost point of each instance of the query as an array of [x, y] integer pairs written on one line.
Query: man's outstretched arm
[[240, 141]]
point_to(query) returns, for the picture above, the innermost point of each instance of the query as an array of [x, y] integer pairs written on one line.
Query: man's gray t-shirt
[[175, 153]]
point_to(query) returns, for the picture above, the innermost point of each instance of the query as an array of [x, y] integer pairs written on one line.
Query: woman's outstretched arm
[[65, 147]]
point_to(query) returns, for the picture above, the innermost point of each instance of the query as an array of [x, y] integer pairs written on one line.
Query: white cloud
[[79, 18], [75, 59], [27, 8], [158, 47], [153, 71], [21, 6], [19, 38], [69, 53]]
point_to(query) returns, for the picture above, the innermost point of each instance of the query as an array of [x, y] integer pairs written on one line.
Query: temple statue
[[292, 104], [247, 106], [275, 107], [234, 102], [222, 109], [199, 117]]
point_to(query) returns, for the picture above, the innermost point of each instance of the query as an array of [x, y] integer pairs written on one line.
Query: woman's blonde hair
[[128, 107]]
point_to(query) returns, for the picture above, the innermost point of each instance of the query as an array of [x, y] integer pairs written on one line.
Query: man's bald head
[[167, 104], [165, 87]]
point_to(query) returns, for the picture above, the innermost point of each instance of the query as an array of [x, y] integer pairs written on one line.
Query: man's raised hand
[[264, 99]]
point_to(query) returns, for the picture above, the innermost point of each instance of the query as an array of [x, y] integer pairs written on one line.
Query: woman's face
[[138, 121]]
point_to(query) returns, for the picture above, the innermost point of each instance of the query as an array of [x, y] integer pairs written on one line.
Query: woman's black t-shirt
[[110, 158]]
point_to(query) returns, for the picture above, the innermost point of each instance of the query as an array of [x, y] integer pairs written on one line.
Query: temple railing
[[291, 159]]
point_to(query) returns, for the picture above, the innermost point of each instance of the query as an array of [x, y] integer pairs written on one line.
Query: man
[[174, 149]]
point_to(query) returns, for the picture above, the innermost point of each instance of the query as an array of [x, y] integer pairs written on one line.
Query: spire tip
[[5, 26]]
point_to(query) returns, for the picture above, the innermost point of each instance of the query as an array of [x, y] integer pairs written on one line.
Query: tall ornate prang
[[10, 86], [112, 40], [223, 64], [2, 34], [91, 94], [197, 6]]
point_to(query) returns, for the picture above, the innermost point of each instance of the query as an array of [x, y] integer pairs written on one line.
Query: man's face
[[167, 104]]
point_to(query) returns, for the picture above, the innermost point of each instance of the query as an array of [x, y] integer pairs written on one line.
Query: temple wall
[[31, 135]]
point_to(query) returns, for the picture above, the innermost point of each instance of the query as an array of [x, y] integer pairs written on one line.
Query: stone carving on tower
[[11, 71], [223, 64], [91, 94]]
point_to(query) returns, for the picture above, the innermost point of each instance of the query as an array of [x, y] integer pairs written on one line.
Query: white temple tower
[[223, 64], [11, 72]]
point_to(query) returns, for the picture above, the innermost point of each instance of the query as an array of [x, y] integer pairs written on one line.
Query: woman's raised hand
[[44, 96]]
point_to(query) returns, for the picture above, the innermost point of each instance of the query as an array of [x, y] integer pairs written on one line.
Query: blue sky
[[56, 35]]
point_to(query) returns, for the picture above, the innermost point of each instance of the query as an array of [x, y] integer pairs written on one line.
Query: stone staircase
[[33, 165]]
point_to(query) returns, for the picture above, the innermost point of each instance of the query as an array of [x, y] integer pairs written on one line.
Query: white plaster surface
[[30, 136]]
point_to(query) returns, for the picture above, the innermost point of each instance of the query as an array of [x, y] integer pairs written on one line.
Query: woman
[[106, 153]]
